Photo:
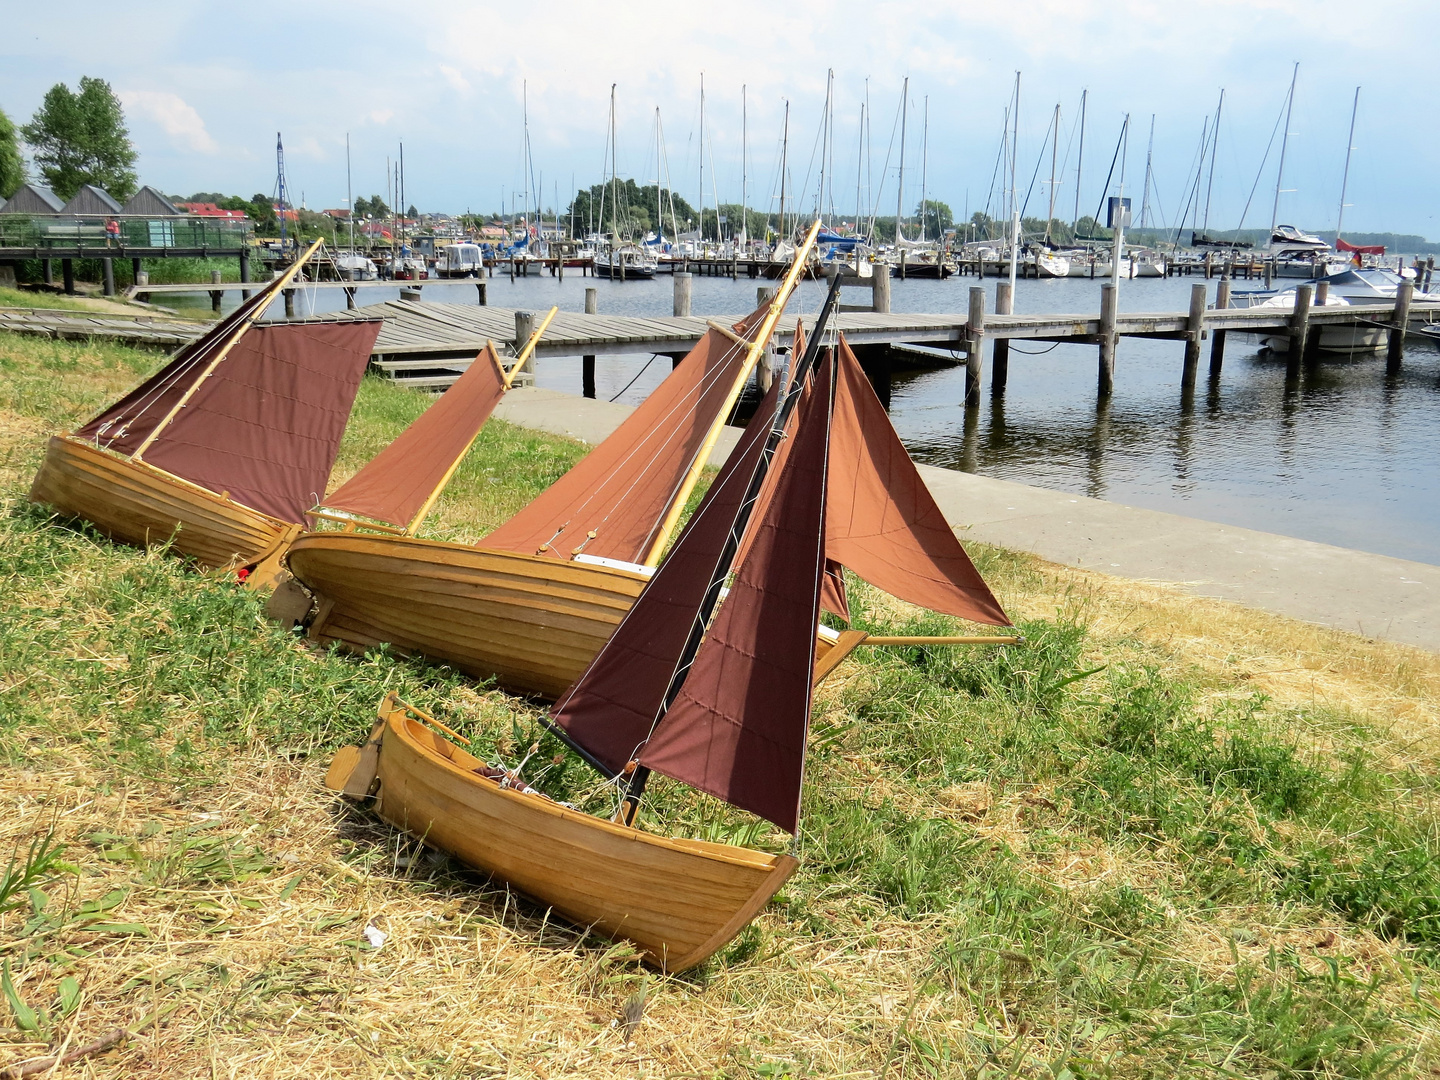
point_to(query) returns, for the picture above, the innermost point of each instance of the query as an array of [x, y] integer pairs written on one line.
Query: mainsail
[[399, 480], [263, 426], [611, 504]]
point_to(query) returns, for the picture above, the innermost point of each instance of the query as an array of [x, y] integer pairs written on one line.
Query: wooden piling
[[109, 267], [974, 345], [67, 268], [290, 302], [350, 299], [48, 267], [1217, 337], [682, 283], [244, 271], [880, 288], [524, 327], [1108, 300], [1299, 327], [1000, 350], [1312, 336], [215, 294], [481, 291], [1194, 328], [1403, 295]]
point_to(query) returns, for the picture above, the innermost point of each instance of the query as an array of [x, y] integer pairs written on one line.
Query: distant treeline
[[1395, 243]]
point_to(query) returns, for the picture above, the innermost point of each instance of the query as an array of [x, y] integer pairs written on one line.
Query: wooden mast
[[244, 325], [757, 346], [429, 503]]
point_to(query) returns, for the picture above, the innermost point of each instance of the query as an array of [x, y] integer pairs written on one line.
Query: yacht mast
[[1014, 202], [350, 195], [1145, 197], [701, 225], [1214, 145], [1284, 145], [784, 164], [1345, 181], [924, 165], [744, 167], [1079, 161], [614, 191], [659, 216], [900, 187], [1054, 152]]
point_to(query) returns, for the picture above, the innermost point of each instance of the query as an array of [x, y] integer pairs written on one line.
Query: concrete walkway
[[1372, 595]]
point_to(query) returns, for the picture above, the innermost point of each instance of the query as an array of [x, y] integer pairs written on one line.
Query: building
[[33, 199], [210, 210], [148, 202], [91, 200]]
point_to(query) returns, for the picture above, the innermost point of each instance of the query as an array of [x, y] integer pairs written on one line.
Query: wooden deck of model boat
[[137, 504], [531, 623], [678, 900]]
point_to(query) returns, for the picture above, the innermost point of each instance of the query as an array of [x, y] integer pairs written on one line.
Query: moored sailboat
[[222, 451]]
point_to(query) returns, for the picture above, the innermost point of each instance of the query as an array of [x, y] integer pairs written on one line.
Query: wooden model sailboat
[[224, 449], [720, 703], [532, 603]]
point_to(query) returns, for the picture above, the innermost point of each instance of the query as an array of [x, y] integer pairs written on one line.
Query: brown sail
[[123, 426], [264, 427], [881, 520], [400, 479], [738, 727], [620, 491], [612, 707]]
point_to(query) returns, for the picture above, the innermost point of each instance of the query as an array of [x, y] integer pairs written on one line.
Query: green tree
[[81, 139], [12, 165], [937, 216]]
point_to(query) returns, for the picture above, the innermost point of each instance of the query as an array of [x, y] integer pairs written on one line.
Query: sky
[[207, 87]]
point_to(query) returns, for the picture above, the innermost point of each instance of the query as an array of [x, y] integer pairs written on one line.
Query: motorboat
[[1148, 264], [461, 260], [352, 266], [1351, 288]]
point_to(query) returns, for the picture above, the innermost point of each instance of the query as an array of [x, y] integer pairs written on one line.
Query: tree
[[12, 165], [81, 139], [373, 207], [937, 217], [412, 213]]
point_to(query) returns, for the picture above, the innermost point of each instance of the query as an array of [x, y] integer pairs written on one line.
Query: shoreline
[[1375, 596]]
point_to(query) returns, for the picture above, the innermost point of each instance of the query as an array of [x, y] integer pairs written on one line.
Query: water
[[1343, 454]]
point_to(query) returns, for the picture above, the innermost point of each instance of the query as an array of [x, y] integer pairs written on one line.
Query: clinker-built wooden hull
[[531, 623], [137, 504], [678, 900]]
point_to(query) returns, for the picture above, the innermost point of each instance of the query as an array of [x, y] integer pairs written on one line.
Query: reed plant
[[1168, 836]]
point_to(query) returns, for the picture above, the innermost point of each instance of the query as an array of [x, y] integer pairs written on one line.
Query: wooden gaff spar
[[223, 450], [719, 700], [532, 603]]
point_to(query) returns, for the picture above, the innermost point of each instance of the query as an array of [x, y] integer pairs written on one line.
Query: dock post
[[481, 289], [1312, 336], [524, 327], [683, 284], [135, 272], [1000, 351], [765, 369], [1269, 269], [1208, 256], [1403, 296], [215, 294], [880, 288], [110, 277], [290, 302], [592, 300], [244, 271], [49, 268], [1194, 327], [1429, 271], [350, 299], [1217, 337], [974, 345], [587, 363], [1106, 380], [67, 267], [1300, 323]]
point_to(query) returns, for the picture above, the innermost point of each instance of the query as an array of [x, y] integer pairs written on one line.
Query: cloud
[[175, 116], [455, 79], [381, 116]]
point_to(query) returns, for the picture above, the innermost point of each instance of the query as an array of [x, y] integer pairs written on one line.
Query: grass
[[1169, 837]]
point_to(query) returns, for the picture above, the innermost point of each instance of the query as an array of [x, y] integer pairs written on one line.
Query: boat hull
[[136, 504], [531, 623], [678, 900], [1337, 339], [630, 273]]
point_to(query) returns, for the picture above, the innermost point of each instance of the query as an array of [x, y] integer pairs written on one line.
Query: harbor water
[[1342, 454]]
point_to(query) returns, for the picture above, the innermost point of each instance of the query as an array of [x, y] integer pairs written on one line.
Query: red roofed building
[[210, 210]]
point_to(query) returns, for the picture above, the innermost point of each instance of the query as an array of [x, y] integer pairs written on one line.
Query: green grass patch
[[1082, 857]]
